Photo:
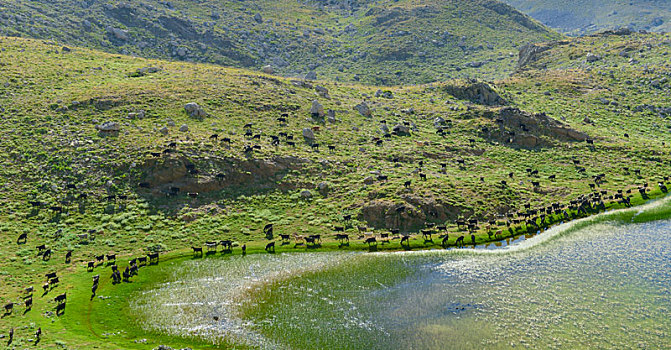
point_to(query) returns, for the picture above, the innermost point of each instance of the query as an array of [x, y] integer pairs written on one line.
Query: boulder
[[323, 188], [310, 76], [324, 92], [384, 128], [308, 134], [258, 18], [401, 130], [306, 194], [590, 58], [117, 33], [109, 127], [194, 110], [384, 94], [438, 122], [317, 109], [184, 128], [163, 130], [331, 116], [363, 109], [369, 180], [268, 69]]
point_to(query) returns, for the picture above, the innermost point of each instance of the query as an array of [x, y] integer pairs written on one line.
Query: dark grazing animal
[[153, 258], [23, 238], [445, 241], [370, 241], [61, 298], [460, 241], [270, 247], [197, 251], [268, 229], [226, 245], [342, 237]]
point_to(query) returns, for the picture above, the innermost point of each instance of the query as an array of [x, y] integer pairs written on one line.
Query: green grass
[[47, 146], [376, 42]]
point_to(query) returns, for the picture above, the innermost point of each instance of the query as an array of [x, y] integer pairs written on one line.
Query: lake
[[594, 283]]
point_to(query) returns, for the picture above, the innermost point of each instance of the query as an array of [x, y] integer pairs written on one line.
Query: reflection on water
[[604, 286]]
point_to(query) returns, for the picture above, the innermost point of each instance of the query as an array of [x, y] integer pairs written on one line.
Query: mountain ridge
[[374, 42]]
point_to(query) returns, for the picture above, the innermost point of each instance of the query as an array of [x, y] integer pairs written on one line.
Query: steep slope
[[379, 42], [579, 17]]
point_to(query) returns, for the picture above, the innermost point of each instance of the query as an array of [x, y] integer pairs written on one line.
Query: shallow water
[[606, 285]]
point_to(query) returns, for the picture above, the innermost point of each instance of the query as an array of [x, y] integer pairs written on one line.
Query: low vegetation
[[112, 154]]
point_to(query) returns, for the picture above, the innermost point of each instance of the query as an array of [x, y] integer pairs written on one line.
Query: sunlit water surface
[[604, 286]]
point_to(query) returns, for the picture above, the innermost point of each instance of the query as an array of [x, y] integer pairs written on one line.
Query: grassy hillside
[[59, 169], [374, 42], [579, 17]]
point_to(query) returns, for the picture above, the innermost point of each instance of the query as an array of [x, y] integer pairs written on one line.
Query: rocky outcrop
[[529, 54], [109, 127], [259, 174], [529, 130], [476, 92], [411, 214]]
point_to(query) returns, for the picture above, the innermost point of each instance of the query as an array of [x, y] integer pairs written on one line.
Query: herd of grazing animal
[[509, 224]]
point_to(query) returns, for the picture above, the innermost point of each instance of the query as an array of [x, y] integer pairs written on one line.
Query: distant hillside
[[578, 17], [378, 42]]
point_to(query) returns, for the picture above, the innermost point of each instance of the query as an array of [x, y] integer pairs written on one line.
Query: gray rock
[[322, 91], [306, 194], [118, 33], [163, 130], [268, 69], [108, 127], [590, 58], [323, 188], [401, 130], [181, 52], [184, 128], [363, 109], [331, 116], [194, 110], [308, 134], [139, 114], [171, 123], [384, 128], [438, 122], [163, 347], [317, 109], [385, 94], [369, 180], [258, 18], [311, 76]]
